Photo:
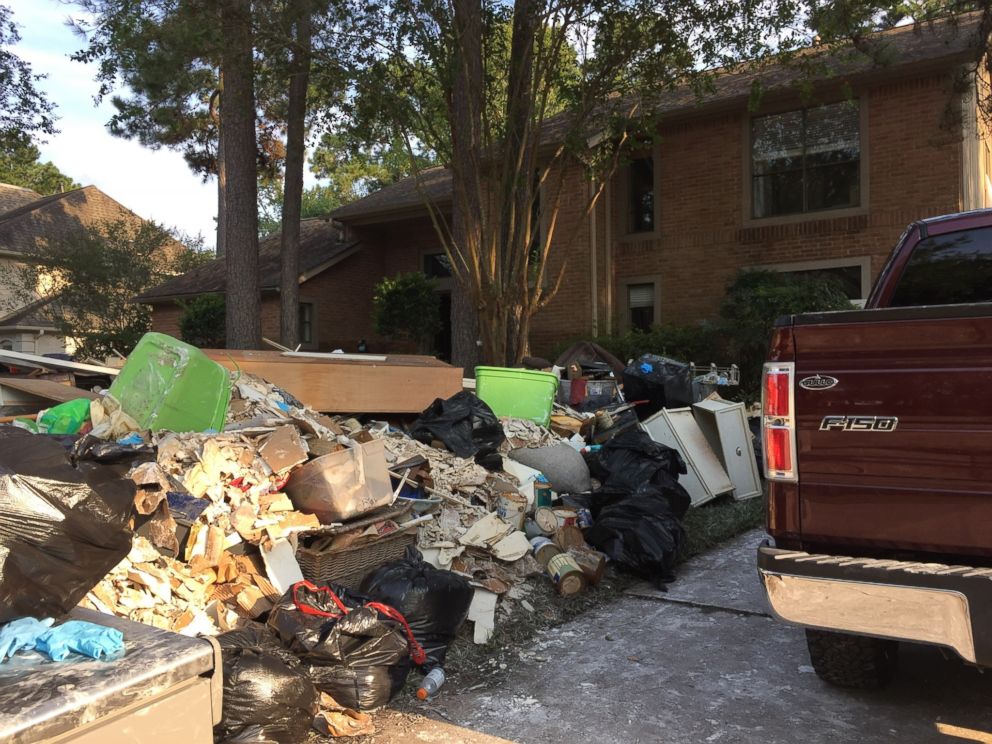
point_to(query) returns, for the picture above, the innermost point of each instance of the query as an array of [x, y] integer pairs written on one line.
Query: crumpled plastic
[[631, 459], [639, 531], [359, 658], [434, 602], [663, 382], [267, 698], [81, 637], [466, 425], [21, 635], [62, 527]]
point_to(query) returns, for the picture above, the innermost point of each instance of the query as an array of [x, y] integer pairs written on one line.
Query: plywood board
[[401, 384], [46, 389]]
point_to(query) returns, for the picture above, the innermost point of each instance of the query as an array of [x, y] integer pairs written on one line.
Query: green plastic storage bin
[[167, 385], [519, 393]]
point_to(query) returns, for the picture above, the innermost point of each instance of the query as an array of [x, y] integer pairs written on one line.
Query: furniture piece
[[724, 424]]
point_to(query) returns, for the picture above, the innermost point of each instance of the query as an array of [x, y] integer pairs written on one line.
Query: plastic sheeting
[[466, 425], [434, 602], [62, 527]]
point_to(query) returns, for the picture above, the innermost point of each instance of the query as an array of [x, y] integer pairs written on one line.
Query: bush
[[408, 307], [756, 299], [202, 322]]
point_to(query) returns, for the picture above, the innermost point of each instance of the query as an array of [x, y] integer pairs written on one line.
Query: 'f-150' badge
[[859, 423], [818, 382]]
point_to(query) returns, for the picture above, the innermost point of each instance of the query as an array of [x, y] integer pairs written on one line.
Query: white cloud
[[153, 183]]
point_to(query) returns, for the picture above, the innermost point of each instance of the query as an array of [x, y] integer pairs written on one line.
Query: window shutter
[[640, 295]]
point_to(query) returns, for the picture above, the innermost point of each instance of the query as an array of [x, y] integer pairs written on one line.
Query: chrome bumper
[[924, 602]]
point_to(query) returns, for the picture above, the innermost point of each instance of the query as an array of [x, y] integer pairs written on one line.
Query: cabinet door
[[737, 451]]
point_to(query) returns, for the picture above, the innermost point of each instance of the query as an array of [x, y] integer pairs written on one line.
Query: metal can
[[566, 517], [566, 574], [544, 550], [543, 494], [546, 519], [583, 518]]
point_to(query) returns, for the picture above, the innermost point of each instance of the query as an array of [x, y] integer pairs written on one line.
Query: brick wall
[[914, 170]]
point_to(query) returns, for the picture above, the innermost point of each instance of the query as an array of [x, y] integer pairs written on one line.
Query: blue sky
[[155, 184]]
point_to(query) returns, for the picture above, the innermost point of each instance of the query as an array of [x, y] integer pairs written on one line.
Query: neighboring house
[[822, 185], [27, 221]]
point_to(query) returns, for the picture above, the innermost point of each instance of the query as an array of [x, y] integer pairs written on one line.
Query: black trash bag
[[663, 382], [352, 651], [631, 459], [101, 450], [434, 602], [266, 699], [639, 531], [466, 425], [62, 528]]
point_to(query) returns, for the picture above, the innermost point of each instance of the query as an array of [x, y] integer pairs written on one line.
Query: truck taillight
[[778, 421]]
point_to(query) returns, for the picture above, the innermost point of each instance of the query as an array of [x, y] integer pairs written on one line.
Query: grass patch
[[713, 523]]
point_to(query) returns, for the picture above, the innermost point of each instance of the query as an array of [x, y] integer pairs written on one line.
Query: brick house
[[27, 221], [821, 184]]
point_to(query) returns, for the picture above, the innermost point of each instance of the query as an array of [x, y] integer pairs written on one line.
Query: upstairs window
[[437, 266], [642, 195], [806, 161]]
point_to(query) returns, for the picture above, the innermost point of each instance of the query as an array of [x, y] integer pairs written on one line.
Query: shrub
[[407, 307], [202, 322]]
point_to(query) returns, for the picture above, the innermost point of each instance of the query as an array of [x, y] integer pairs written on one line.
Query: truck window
[[947, 270]]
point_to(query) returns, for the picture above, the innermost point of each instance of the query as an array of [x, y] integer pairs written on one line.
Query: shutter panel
[[640, 295]]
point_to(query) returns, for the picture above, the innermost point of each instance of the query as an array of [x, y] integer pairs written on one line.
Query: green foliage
[[408, 307], [756, 299], [91, 277], [318, 201], [202, 321], [20, 165], [24, 110]]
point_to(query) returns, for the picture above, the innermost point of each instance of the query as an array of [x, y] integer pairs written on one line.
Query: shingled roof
[[941, 42], [12, 197], [320, 249]]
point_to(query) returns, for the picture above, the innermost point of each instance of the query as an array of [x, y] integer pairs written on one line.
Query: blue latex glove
[[21, 634], [84, 638]]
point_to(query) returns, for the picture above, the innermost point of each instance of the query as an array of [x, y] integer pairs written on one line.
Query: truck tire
[[851, 661]]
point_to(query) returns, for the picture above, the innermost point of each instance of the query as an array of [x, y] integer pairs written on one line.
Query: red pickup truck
[[877, 432]]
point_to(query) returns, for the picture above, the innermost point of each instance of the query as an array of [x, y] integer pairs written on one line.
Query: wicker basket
[[350, 565]]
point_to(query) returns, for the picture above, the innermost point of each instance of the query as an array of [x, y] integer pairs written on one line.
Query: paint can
[[566, 517], [543, 494], [544, 550], [566, 574], [568, 537], [546, 519], [584, 518], [531, 529], [592, 563], [511, 507]]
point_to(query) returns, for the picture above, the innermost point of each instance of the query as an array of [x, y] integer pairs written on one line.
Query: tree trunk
[[289, 285], [215, 103], [243, 321], [466, 128]]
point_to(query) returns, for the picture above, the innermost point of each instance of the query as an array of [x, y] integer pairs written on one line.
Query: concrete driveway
[[701, 663]]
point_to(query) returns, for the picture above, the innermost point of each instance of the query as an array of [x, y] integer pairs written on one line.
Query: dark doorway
[[442, 341]]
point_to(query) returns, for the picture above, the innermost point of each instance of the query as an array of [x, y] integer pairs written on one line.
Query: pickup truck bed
[[878, 451]]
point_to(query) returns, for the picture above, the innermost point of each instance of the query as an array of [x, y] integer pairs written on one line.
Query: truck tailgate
[[899, 452]]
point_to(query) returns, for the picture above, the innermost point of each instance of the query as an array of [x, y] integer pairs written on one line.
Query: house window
[[437, 265], [852, 276], [6, 345], [306, 322], [641, 306], [642, 195], [806, 161]]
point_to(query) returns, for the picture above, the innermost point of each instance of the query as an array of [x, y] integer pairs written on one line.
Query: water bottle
[[431, 683]]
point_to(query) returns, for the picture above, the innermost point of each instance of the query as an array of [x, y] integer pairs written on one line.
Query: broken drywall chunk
[[281, 567], [284, 449], [482, 612]]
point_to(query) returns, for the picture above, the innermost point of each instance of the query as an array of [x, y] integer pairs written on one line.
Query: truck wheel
[[851, 661]]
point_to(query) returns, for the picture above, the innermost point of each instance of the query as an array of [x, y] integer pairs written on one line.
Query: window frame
[[312, 342], [749, 220], [862, 262], [623, 291]]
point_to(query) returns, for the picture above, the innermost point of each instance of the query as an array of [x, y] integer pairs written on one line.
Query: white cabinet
[[706, 479], [724, 424]]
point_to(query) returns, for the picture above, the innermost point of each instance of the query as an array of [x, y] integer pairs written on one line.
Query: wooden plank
[[401, 384], [46, 389]]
